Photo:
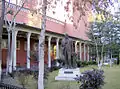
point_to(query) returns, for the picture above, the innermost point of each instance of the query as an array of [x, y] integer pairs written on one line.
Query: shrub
[[34, 56], [82, 63], [23, 75], [91, 79], [85, 63], [79, 63], [92, 63]]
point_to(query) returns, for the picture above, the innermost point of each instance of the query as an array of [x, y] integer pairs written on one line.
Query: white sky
[[116, 7], [13, 1]]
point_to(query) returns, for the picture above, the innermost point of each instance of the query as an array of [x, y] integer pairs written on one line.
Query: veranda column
[[57, 48], [13, 50], [28, 49], [49, 49], [88, 53], [8, 51], [80, 51], [76, 47], [84, 52]]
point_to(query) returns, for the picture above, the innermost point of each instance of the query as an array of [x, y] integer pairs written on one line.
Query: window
[[18, 44], [35, 47], [4, 43], [25, 45]]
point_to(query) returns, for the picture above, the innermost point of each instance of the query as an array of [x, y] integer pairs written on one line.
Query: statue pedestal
[[68, 74]]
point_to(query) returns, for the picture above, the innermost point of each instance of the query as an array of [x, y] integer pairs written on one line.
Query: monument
[[69, 70]]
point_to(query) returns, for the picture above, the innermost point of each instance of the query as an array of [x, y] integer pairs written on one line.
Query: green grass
[[53, 84], [112, 79]]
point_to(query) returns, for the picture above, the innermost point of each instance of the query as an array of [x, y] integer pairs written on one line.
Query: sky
[[115, 8]]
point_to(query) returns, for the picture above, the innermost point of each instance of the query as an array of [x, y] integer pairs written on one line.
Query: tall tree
[[10, 25], [112, 35], [1, 31], [96, 34], [105, 35], [42, 5], [80, 5], [41, 46]]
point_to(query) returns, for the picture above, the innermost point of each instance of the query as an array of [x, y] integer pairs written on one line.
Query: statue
[[67, 52], [69, 70]]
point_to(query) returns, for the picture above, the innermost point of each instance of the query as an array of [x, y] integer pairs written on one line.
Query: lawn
[[112, 79]]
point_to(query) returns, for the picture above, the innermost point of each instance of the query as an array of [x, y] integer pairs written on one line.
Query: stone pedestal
[[68, 74]]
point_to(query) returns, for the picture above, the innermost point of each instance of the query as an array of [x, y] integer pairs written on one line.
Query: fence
[[8, 86]]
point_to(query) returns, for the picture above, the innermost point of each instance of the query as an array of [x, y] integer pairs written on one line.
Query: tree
[[10, 25], [112, 35], [79, 7], [85, 7], [1, 30], [105, 35], [41, 47], [96, 34], [42, 5]]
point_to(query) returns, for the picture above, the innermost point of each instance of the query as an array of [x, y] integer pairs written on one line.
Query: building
[[24, 38]]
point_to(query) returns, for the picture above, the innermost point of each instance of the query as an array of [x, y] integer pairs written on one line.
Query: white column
[[80, 51], [13, 50], [49, 49], [57, 48], [28, 49], [76, 47], [84, 52]]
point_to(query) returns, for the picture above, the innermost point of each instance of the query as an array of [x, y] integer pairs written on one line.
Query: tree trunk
[[10, 24], [41, 47], [1, 31], [96, 46], [102, 54], [111, 58]]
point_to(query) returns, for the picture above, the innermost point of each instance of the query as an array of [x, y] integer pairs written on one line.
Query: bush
[[23, 75], [79, 63], [54, 65], [85, 63], [92, 63], [91, 79], [82, 63]]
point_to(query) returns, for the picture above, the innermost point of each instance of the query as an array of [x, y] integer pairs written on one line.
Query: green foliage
[[92, 63], [74, 59], [23, 75], [106, 37], [46, 72], [34, 55], [91, 79], [85, 63]]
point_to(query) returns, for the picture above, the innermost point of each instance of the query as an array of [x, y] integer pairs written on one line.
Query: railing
[[8, 86]]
